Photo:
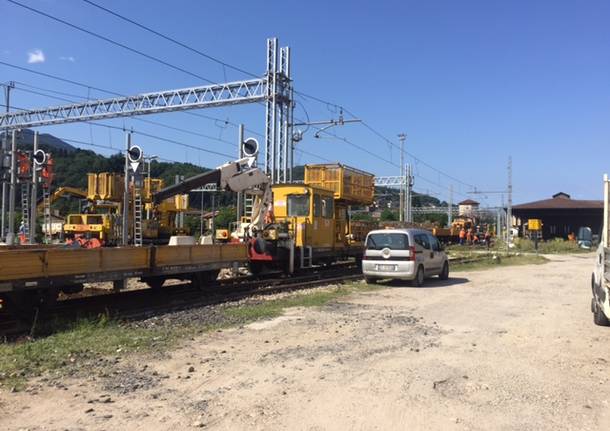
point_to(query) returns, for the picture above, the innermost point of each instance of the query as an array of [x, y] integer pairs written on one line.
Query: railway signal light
[[40, 157], [135, 155], [249, 147]]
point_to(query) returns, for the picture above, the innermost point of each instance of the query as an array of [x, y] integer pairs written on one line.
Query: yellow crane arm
[[61, 191]]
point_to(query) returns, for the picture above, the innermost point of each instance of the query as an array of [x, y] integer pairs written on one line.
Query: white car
[[403, 254]]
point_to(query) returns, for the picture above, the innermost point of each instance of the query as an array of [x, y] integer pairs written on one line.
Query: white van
[[403, 254]]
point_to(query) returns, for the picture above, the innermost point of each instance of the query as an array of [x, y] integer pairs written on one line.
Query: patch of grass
[[274, 308], [488, 262], [84, 342], [553, 246], [81, 341]]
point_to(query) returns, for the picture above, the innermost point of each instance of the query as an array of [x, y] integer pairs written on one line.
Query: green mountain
[[72, 165], [26, 139]]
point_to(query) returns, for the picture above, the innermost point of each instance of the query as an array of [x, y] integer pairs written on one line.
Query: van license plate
[[386, 267]]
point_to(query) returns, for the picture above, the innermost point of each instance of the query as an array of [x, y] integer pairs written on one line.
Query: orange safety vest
[[269, 216], [462, 233]]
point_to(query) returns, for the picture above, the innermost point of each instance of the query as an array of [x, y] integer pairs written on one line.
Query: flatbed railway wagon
[[33, 276]]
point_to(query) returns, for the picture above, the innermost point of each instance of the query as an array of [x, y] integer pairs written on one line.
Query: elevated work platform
[[349, 185]]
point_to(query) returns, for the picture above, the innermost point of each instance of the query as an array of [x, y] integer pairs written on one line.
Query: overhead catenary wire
[[156, 123], [112, 41], [141, 133], [331, 134], [178, 68], [171, 39], [383, 137], [359, 147], [148, 135], [106, 147], [193, 49], [114, 93], [173, 66], [141, 120]]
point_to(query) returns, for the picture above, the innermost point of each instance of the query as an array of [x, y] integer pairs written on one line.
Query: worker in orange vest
[[469, 236], [462, 235]]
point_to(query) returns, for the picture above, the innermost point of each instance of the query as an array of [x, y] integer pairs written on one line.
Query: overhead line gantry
[[274, 89]]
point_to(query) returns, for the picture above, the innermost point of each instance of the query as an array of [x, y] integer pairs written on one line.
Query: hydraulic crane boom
[[236, 176], [186, 186], [61, 192]]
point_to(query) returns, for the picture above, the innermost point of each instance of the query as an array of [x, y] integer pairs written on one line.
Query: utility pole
[[3, 161], [125, 224], [240, 154], [502, 217], [409, 194], [33, 206], [509, 208], [10, 235], [213, 227], [407, 199], [450, 207], [402, 210], [180, 215], [201, 227], [149, 160]]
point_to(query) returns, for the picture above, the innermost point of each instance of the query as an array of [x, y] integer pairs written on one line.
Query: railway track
[[145, 303]]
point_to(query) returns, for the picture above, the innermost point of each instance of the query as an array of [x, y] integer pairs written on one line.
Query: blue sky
[[470, 82]]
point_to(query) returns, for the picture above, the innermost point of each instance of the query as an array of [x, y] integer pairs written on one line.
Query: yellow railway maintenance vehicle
[[308, 223], [100, 224]]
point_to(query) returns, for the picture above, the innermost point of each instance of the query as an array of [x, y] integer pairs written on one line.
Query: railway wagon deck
[[35, 268], [181, 259]]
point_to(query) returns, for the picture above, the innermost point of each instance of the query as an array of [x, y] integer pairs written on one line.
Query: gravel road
[[511, 348]]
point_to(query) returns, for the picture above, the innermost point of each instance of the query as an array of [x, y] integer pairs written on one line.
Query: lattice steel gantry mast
[[278, 113], [274, 89]]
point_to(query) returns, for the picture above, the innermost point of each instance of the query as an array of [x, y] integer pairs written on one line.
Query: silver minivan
[[403, 254]]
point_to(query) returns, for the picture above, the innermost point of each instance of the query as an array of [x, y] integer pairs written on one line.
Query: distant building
[[467, 208], [560, 215]]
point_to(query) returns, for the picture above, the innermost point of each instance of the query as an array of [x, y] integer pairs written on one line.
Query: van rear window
[[393, 241]]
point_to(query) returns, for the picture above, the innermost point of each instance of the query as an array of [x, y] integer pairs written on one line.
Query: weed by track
[[76, 346], [491, 261]]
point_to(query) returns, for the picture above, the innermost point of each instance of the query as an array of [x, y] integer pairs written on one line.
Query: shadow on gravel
[[430, 283]]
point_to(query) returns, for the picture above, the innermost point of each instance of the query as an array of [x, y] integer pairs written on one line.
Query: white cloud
[[36, 56], [68, 58]]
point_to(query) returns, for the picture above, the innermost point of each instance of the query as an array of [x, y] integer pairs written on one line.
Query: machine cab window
[[328, 208], [298, 205], [323, 206]]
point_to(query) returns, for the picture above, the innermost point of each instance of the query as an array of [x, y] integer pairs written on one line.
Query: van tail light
[[412, 253]]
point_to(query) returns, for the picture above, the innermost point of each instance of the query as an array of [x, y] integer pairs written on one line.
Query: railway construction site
[[503, 348], [254, 255]]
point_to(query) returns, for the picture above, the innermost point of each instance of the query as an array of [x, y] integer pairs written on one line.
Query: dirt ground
[[509, 348]]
